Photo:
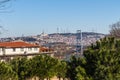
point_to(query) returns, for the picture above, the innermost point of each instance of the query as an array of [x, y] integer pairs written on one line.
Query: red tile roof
[[45, 49], [18, 44]]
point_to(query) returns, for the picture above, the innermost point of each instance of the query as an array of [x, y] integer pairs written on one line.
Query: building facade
[[18, 48]]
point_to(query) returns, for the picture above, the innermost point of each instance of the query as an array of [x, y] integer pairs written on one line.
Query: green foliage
[[41, 66], [81, 74], [103, 60], [6, 72], [61, 69], [20, 66], [73, 65], [44, 66]]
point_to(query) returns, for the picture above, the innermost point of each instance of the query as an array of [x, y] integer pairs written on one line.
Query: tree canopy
[[115, 30], [101, 61], [6, 72]]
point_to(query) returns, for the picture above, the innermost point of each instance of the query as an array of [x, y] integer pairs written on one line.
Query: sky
[[32, 17]]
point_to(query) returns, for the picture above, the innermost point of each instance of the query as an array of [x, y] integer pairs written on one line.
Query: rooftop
[[17, 44]]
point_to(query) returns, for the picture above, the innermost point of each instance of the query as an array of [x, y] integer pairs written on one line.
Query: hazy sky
[[31, 17]]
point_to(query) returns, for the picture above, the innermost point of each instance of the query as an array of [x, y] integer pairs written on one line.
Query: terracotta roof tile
[[45, 49], [17, 44]]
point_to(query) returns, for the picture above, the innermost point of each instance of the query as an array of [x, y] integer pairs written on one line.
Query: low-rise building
[[18, 48]]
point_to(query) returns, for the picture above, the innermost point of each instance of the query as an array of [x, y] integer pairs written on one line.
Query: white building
[[18, 48]]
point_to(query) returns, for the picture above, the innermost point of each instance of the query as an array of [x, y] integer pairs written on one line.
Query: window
[[0, 50], [22, 49], [29, 49], [35, 49], [14, 49]]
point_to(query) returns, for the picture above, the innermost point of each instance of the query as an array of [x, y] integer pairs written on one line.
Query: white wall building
[[18, 48]]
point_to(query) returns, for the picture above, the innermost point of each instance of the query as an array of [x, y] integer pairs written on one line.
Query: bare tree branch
[[115, 30], [3, 7], [3, 4]]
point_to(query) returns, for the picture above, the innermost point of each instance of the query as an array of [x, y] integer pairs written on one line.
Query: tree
[[81, 74], [44, 66], [115, 30], [6, 72], [20, 66], [103, 60], [38, 67], [61, 69], [3, 7], [3, 4], [73, 65]]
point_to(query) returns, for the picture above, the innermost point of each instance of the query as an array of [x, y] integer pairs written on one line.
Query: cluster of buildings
[[69, 38], [55, 44]]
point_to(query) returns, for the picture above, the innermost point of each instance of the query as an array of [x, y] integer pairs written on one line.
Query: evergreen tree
[[6, 72], [103, 60], [72, 65], [44, 66], [61, 70], [20, 66]]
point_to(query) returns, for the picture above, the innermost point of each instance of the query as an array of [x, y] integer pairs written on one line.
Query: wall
[[1, 52], [13, 51]]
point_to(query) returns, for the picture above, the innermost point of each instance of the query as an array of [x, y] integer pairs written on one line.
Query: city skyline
[[30, 17]]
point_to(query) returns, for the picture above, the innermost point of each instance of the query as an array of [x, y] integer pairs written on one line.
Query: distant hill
[[75, 34], [69, 38]]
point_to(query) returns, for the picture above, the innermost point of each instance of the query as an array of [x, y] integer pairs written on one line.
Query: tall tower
[[57, 30], [79, 44]]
